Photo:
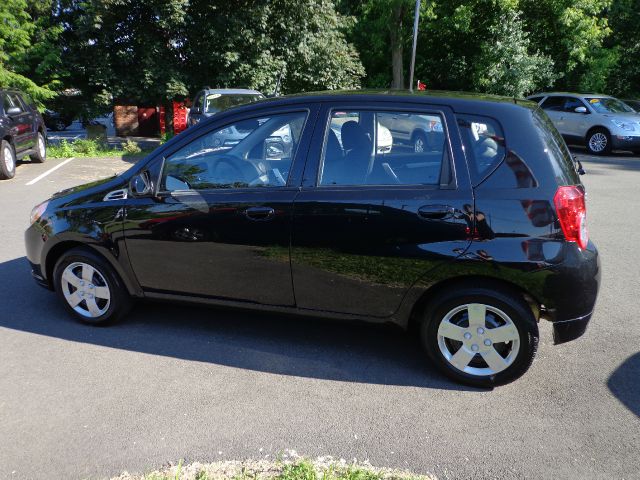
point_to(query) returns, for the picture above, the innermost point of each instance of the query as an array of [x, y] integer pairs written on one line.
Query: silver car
[[599, 122]]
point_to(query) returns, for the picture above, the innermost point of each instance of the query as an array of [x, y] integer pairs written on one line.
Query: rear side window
[[365, 147], [536, 99], [484, 145], [556, 150], [554, 103], [11, 101]]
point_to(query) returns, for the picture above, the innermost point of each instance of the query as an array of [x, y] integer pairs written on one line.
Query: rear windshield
[[217, 102], [556, 149]]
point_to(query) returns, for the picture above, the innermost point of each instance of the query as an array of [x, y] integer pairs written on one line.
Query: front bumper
[[625, 142], [34, 240]]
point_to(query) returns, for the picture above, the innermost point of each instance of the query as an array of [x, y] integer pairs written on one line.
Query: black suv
[[468, 242], [22, 131]]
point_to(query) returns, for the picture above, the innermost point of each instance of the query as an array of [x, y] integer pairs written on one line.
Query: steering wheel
[[232, 171]]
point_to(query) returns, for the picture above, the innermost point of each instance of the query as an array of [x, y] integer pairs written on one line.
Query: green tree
[[24, 27], [623, 49]]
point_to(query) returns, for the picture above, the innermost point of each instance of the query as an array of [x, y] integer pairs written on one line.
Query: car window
[[608, 105], [10, 101], [216, 102], [364, 147], [555, 149], [254, 152], [17, 101], [484, 144], [554, 103], [572, 103], [536, 99], [197, 104], [27, 100]]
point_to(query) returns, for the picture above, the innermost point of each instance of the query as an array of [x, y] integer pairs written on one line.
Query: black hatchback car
[[467, 243], [22, 132]]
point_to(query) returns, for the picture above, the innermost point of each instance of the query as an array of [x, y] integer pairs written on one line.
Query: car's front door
[[219, 226], [575, 123], [369, 224]]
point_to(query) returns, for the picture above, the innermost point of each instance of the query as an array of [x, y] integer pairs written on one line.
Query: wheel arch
[[594, 128], [60, 248], [469, 281]]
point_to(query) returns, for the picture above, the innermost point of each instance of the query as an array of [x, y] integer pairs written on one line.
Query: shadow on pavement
[[624, 383], [619, 160], [285, 345]]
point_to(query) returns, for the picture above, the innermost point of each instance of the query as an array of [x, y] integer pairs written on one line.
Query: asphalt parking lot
[[176, 382]]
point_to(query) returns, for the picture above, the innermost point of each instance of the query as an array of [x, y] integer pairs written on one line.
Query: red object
[[180, 111], [422, 86], [572, 214], [163, 125]]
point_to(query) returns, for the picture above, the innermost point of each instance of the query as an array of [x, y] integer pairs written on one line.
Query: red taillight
[[572, 214]]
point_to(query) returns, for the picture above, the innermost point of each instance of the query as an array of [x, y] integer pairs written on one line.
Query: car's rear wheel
[[479, 336], [90, 288], [41, 150], [59, 125], [7, 161], [599, 141]]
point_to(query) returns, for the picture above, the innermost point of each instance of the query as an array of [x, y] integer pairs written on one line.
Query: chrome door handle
[[259, 213], [436, 212]]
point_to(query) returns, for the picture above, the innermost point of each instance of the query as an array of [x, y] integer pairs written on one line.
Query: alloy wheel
[[418, 145], [9, 159], [478, 339], [598, 142], [42, 149], [85, 290]]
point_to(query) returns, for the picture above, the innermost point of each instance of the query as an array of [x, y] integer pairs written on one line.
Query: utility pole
[[416, 18]]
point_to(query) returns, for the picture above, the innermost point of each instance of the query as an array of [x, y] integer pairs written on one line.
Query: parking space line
[[51, 170]]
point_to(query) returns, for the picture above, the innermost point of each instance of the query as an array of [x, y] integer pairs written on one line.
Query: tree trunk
[[396, 46]]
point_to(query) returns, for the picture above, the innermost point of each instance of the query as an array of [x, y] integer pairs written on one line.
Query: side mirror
[[14, 111], [580, 110], [140, 185]]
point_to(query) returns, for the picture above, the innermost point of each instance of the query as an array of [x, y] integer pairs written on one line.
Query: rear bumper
[[567, 330], [573, 291]]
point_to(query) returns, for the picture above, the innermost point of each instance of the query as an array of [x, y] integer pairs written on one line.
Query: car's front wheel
[[40, 154], [479, 336], [599, 141], [7, 161], [90, 288]]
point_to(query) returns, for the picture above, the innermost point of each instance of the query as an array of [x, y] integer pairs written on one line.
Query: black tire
[[7, 161], [120, 301], [597, 137], [39, 156], [503, 300], [59, 125]]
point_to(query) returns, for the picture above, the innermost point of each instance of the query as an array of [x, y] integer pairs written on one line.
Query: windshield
[[216, 102], [608, 105]]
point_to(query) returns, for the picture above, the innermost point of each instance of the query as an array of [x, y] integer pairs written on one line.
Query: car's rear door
[[22, 126], [220, 224], [368, 225]]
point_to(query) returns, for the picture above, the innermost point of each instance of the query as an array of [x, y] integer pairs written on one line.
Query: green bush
[[87, 147], [131, 148]]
